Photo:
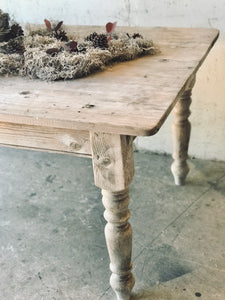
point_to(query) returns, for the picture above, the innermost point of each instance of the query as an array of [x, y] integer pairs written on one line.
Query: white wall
[[208, 107]]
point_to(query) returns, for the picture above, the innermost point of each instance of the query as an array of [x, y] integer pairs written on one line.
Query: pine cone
[[60, 35], [15, 46], [15, 31], [137, 35], [52, 51], [91, 37], [101, 41]]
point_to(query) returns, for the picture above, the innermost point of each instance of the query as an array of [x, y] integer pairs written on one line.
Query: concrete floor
[[51, 229]]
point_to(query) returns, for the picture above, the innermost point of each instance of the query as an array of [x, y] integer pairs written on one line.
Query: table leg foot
[[118, 233], [181, 129], [123, 295]]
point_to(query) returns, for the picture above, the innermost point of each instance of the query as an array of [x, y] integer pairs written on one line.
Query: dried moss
[[11, 64], [36, 63]]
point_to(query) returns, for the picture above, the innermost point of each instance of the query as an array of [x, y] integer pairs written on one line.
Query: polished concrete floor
[[52, 229]]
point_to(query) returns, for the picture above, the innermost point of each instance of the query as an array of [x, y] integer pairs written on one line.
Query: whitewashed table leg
[[118, 234], [181, 129], [113, 171]]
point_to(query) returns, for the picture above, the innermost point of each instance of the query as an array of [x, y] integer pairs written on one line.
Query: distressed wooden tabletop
[[132, 98]]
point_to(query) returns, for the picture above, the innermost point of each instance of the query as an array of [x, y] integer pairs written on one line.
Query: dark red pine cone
[[137, 35], [52, 51], [101, 41], [15, 46], [15, 31], [60, 35], [91, 36]]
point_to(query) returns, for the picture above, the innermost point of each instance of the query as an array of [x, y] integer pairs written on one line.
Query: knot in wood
[[75, 146], [102, 161]]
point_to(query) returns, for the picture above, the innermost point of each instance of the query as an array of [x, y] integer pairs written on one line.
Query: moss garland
[[35, 62]]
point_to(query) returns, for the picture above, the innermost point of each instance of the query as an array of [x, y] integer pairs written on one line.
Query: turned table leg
[[181, 129], [112, 157], [118, 233]]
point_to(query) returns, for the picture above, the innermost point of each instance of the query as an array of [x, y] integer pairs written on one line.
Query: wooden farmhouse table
[[99, 117]]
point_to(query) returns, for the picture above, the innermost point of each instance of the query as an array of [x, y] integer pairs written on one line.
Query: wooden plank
[[47, 139], [131, 98]]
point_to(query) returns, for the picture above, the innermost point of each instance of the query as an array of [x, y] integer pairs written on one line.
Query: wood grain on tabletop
[[132, 98]]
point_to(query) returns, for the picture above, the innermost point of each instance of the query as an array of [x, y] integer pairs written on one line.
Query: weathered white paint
[[208, 107]]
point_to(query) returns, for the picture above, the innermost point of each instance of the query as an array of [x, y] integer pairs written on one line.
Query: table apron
[[45, 139]]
